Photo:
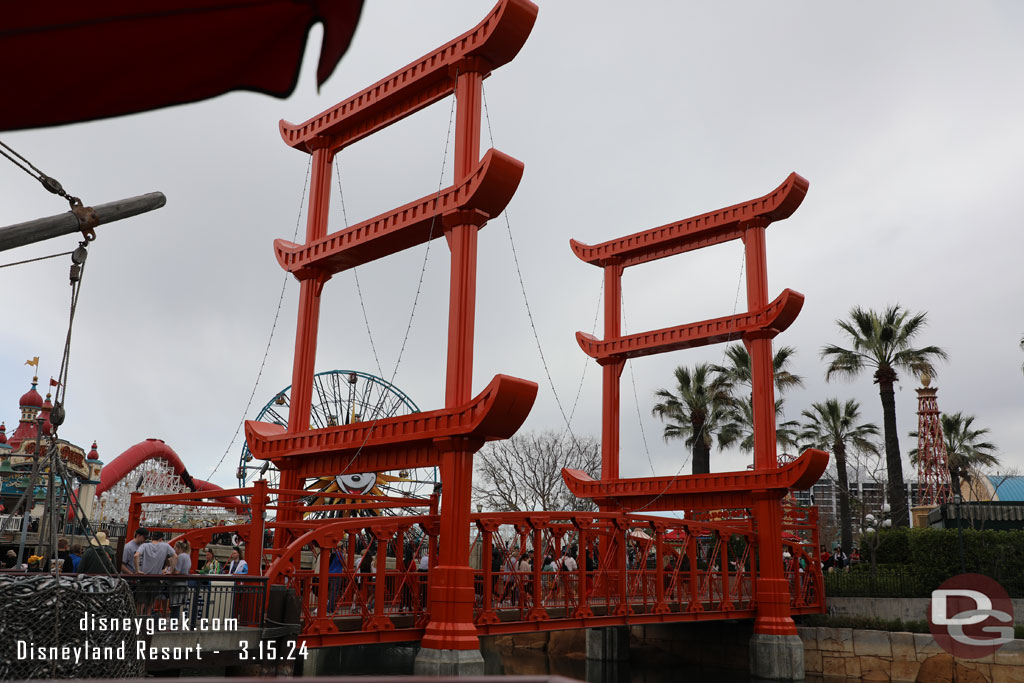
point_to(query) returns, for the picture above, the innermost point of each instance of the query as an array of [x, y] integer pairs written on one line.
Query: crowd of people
[[838, 559], [147, 553]]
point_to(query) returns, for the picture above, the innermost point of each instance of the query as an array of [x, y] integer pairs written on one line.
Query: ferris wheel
[[342, 397]]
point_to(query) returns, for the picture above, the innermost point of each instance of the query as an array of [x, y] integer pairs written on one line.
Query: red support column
[[660, 606], [694, 604], [254, 542], [307, 327], [773, 614], [309, 295], [726, 604], [451, 583], [323, 582], [583, 577], [611, 371], [380, 622], [759, 345], [488, 615]]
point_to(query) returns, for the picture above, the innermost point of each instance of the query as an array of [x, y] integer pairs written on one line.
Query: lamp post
[[957, 499], [870, 528]]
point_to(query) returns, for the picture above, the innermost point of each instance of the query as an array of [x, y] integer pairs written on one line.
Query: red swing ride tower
[[759, 490], [448, 437]]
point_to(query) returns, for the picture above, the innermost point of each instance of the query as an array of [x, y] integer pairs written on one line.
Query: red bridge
[[632, 568], [727, 559]]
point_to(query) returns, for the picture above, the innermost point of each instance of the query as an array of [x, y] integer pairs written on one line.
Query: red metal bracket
[[699, 490], [395, 442], [697, 232], [487, 190], [493, 42], [772, 319]]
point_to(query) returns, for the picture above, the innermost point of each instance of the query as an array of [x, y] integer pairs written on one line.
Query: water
[[644, 667]]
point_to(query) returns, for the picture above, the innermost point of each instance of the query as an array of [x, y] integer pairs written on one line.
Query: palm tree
[[883, 342], [965, 454], [739, 427], [736, 373], [695, 411], [834, 427]]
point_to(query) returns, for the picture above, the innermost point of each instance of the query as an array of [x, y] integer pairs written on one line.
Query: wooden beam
[[41, 229]]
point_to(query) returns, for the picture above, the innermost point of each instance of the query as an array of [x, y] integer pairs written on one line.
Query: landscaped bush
[[893, 546], [936, 552], [914, 562], [886, 582]]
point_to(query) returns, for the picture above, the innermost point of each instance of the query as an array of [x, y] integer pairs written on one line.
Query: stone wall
[[906, 657], [904, 609]]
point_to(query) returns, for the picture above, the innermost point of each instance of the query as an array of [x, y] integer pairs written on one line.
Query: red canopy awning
[[66, 61]]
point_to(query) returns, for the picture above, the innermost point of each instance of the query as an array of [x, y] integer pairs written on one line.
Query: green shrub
[[936, 552], [893, 546]]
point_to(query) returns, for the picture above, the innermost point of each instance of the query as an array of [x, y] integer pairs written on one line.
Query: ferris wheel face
[[357, 483], [342, 397]]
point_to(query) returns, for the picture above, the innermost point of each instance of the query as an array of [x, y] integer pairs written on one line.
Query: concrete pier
[[776, 658], [608, 644], [431, 662]]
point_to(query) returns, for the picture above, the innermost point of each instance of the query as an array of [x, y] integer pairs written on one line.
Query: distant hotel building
[[825, 494]]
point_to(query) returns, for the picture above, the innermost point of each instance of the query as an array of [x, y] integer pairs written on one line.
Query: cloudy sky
[[904, 117]]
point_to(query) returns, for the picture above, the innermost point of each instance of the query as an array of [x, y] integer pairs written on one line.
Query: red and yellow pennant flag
[[33, 362]]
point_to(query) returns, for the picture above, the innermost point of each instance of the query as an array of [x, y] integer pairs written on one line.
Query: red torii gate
[[450, 436], [761, 489]]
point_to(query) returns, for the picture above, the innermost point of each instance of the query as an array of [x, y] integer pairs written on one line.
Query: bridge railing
[[620, 564], [365, 578], [203, 602]]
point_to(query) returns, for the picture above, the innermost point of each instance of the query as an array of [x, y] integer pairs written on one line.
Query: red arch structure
[[738, 553], [155, 449]]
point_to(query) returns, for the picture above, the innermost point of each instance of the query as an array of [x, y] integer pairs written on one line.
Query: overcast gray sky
[[904, 117]]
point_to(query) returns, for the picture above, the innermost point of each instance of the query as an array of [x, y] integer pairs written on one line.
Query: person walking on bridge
[[130, 548], [99, 557]]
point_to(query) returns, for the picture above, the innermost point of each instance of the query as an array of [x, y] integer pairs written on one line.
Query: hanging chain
[[529, 311], [704, 425], [419, 287], [355, 274], [273, 328]]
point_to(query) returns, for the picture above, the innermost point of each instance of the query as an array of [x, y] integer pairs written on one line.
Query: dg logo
[[971, 616]]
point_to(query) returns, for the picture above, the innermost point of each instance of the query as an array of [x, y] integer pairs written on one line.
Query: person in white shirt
[[236, 565], [565, 568]]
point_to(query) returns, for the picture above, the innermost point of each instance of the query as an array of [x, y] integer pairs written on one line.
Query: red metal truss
[[395, 442], [771, 320], [934, 481], [493, 42], [700, 231], [698, 490], [487, 190]]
